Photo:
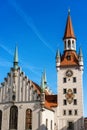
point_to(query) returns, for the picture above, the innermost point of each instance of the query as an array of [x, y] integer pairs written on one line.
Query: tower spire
[[69, 32], [15, 63]]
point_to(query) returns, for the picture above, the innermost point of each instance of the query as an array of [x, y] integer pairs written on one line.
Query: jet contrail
[[28, 20]]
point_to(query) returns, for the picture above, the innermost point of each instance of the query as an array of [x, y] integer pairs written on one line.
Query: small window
[[46, 124], [64, 102], [75, 112], [75, 102], [64, 80], [70, 112], [64, 112], [74, 90], [69, 42], [68, 57], [64, 91], [74, 79]]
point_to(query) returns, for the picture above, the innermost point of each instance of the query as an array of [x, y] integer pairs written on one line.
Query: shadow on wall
[[70, 126]]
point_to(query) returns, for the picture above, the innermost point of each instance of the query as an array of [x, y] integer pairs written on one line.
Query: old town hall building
[[24, 105]]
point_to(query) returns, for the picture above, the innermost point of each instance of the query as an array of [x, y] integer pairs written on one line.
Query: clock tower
[[69, 67]]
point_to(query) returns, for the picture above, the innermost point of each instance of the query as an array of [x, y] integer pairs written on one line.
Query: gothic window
[[0, 119], [28, 119], [13, 117]]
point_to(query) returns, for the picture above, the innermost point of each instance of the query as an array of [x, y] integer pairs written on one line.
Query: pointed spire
[[58, 54], [69, 33], [42, 83], [45, 78], [16, 58], [80, 52]]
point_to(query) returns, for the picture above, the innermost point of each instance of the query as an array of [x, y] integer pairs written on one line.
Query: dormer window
[[68, 57]]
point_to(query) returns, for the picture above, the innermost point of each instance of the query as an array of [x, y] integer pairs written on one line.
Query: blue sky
[[37, 27]]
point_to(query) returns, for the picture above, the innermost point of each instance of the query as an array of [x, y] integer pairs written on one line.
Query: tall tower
[[69, 67]]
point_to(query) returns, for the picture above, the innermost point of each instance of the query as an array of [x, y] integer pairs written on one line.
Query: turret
[[42, 92], [58, 59], [69, 37], [80, 57]]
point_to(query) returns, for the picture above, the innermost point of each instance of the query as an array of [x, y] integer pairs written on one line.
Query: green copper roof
[[16, 58], [42, 83], [45, 78]]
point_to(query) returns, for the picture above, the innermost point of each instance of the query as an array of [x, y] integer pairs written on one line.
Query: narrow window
[[64, 80], [74, 90], [74, 79], [64, 112], [13, 118], [75, 102], [0, 119], [69, 42], [70, 112], [46, 124], [64, 91], [51, 126], [28, 119], [75, 112], [64, 102]]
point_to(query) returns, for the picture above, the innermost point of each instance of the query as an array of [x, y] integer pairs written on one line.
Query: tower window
[[64, 102], [70, 112], [74, 90], [46, 124], [64, 91], [68, 57], [74, 79], [64, 112], [69, 42], [75, 112], [75, 102], [64, 80], [51, 126]]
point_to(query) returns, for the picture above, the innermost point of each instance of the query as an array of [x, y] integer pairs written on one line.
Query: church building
[[24, 105]]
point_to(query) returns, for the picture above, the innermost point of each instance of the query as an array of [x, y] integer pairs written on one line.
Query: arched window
[[13, 118], [28, 125], [0, 119]]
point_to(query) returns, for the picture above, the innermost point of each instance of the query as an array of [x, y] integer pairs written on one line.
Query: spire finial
[[16, 58], [69, 11]]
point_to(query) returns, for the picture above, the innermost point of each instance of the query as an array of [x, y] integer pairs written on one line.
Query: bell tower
[[69, 67]]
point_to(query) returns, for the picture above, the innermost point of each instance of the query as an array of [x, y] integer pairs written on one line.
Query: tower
[[70, 82]]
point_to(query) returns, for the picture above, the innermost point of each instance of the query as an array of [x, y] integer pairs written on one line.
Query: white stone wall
[[63, 120]]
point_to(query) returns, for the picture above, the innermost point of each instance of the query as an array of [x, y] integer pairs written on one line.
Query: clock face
[[69, 73]]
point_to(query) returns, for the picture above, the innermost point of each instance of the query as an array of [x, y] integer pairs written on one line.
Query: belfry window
[[13, 118], [69, 44], [0, 119], [28, 119]]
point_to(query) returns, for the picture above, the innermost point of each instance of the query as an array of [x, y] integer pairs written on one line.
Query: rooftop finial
[[69, 11], [16, 58]]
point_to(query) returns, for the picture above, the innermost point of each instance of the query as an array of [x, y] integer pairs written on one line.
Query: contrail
[[6, 49], [28, 20]]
